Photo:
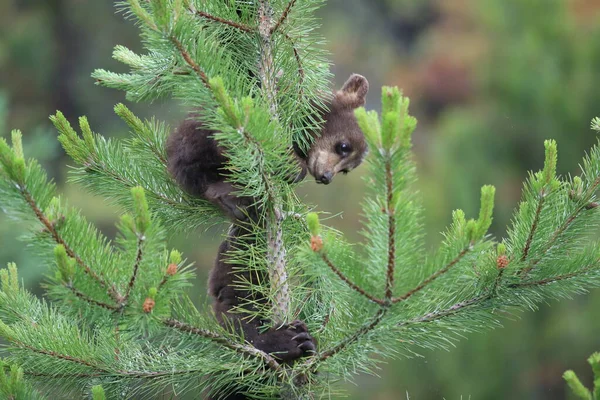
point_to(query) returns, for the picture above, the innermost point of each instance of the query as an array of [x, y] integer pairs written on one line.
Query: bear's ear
[[353, 93]]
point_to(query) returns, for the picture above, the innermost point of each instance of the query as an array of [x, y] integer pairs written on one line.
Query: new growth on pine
[[116, 320], [577, 388]]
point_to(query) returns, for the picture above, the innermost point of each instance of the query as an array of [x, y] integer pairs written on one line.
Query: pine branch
[[498, 279], [131, 374], [89, 300], [63, 376], [162, 282], [405, 296], [433, 277], [273, 29], [550, 165], [351, 284], [102, 370], [454, 309], [56, 355], [136, 266], [283, 17], [188, 59], [391, 264], [101, 168], [324, 355], [534, 226], [111, 290], [237, 25], [215, 337], [558, 232], [557, 278], [385, 303], [299, 62], [276, 251], [14, 387], [492, 294]]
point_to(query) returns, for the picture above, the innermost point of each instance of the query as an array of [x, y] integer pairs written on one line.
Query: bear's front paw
[[287, 343]]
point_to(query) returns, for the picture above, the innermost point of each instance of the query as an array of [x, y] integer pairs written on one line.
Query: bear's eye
[[343, 149]]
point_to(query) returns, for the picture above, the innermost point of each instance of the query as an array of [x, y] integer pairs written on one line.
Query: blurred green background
[[489, 80]]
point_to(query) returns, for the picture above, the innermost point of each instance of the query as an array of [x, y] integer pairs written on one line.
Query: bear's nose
[[326, 178]]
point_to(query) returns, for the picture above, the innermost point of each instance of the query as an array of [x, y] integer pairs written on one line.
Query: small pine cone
[[172, 269], [502, 262], [148, 305], [316, 243]]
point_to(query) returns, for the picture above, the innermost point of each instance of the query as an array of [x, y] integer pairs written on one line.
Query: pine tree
[[117, 323]]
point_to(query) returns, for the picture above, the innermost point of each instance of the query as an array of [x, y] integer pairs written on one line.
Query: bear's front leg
[[238, 208]]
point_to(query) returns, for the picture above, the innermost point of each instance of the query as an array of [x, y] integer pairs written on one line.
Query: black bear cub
[[197, 162]]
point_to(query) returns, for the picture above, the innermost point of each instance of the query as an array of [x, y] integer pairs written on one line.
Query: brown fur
[[197, 162], [325, 159]]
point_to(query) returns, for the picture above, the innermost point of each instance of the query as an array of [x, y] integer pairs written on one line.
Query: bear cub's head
[[341, 145]]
